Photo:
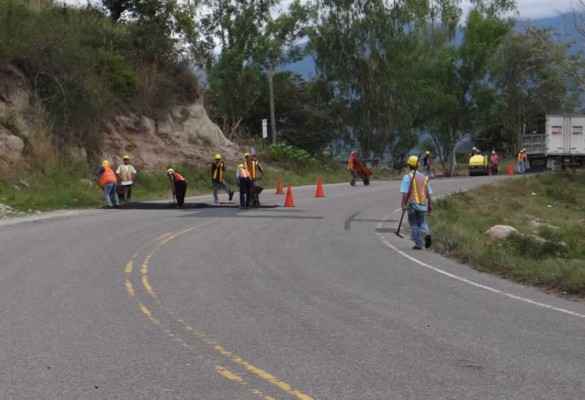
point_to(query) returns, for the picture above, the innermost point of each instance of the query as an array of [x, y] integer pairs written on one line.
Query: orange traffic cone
[[288, 202], [511, 169], [319, 191], [279, 186]]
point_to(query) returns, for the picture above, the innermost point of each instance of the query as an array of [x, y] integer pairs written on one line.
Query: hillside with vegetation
[[385, 71]]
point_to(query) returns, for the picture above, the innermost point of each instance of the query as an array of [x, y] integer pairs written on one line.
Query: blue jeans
[[217, 185], [418, 225], [522, 167], [110, 194]]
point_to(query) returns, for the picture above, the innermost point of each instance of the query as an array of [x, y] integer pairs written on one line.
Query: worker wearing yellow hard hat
[[178, 186], [218, 179], [416, 201], [126, 173], [426, 163], [522, 161], [106, 179]]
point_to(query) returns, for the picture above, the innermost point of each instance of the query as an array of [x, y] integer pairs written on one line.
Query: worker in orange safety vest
[[353, 166], [178, 186], [522, 161], [244, 181], [107, 180]]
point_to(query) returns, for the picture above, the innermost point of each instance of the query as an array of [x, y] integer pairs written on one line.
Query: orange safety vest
[[418, 194], [245, 174], [178, 177], [107, 176], [353, 163], [252, 168]]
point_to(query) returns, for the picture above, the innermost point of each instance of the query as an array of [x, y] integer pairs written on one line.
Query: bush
[[287, 153]]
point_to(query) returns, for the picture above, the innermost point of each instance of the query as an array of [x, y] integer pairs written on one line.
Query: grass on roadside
[[547, 211], [73, 185]]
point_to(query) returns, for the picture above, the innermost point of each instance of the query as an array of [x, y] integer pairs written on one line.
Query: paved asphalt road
[[319, 301]]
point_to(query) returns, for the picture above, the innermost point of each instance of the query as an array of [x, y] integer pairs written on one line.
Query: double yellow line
[[262, 374]]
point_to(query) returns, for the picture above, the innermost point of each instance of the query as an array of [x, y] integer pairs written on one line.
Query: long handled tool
[[409, 190]]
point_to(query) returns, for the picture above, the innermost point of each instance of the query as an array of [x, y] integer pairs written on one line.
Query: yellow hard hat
[[493, 152], [412, 161], [240, 165], [427, 152], [105, 163], [524, 150], [126, 157], [170, 170], [247, 155], [218, 156]]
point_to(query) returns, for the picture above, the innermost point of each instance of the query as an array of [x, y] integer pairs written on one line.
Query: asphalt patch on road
[[186, 206]]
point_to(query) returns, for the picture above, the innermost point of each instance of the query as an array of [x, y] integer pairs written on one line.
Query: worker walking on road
[[427, 163], [416, 201], [126, 173], [178, 186], [353, 166], [522, 161], [244, 181], [218, 179], [494, 163], [108, 182]]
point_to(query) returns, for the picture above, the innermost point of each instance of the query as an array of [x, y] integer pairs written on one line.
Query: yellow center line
[[285, 387]]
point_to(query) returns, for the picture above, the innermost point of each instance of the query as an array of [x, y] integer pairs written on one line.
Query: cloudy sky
[[528, 9]]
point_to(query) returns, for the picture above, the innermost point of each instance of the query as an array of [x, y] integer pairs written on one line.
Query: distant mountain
[[564, 32]]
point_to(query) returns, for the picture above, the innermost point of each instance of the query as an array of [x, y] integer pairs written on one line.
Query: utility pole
[[271, 94]]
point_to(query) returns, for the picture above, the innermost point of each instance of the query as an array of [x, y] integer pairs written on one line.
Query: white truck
[[561, 146]]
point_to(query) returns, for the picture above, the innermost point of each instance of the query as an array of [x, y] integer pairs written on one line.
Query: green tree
[[237, 43], [366, 50], [528, 86], [456, 87]]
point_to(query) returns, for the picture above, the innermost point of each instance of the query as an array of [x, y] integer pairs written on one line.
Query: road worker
[[253, 166], [353, 166], [494, 163], [107, 180], [244, 181], [521, 159], [178, 186], [218, 179], [427, 163], [416, 201], [126, 173]]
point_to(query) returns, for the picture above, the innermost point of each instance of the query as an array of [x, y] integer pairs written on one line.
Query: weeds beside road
[[547, 210]]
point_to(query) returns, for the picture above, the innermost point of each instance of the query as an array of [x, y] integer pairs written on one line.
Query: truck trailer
[[561, 146]]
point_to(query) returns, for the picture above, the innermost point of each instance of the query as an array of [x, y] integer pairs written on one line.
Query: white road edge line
[[472, 283]]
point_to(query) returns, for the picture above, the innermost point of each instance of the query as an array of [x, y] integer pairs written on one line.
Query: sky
[[528, 9]]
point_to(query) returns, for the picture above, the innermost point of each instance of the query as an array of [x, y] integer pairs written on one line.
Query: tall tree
[[528, 86], [457, 77], [367, 50], [239, 41]]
